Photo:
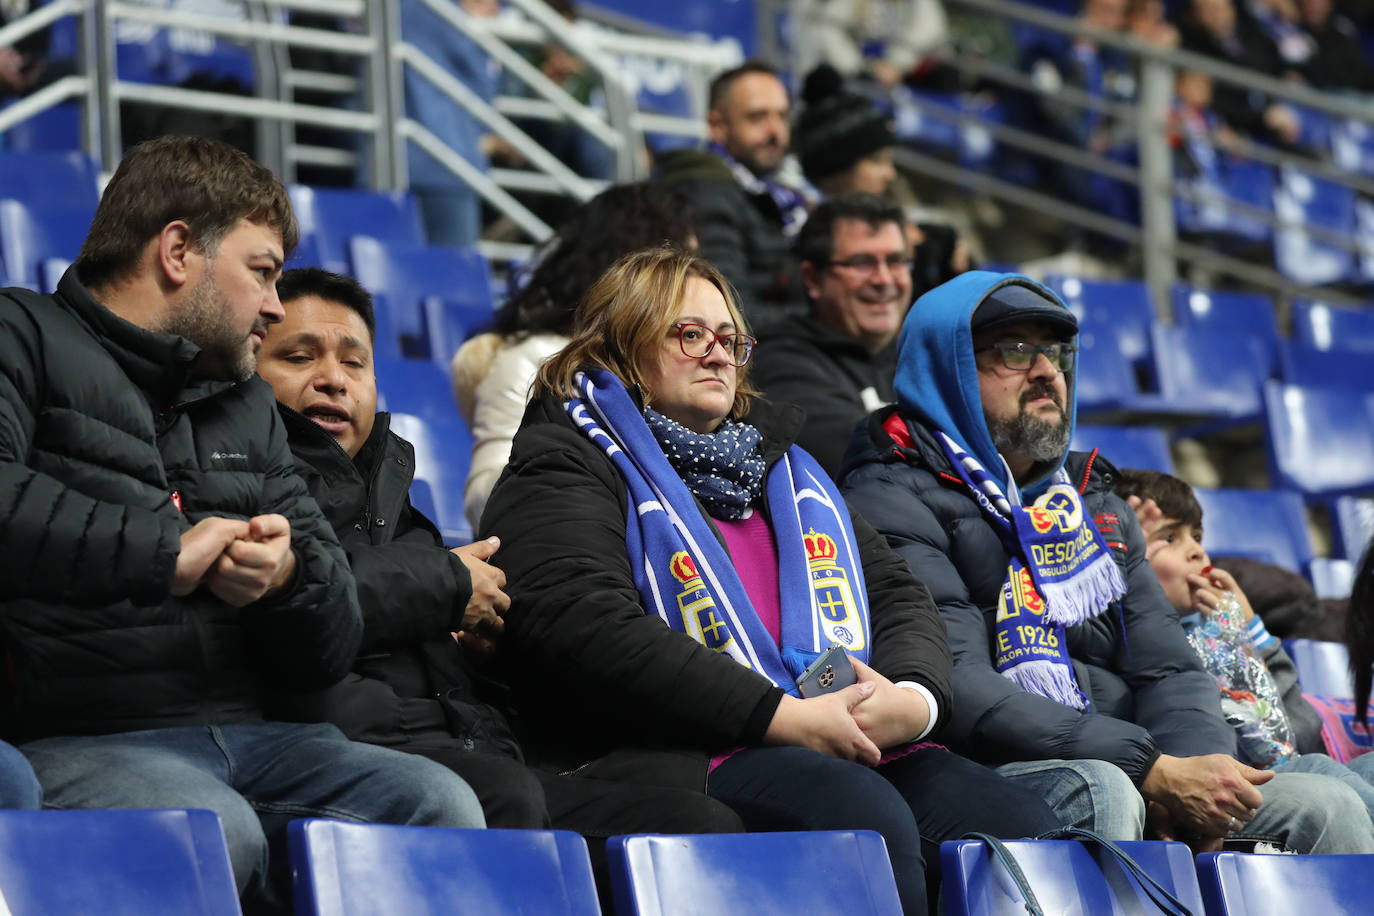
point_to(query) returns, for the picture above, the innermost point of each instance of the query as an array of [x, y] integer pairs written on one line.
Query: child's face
[[1175, 551]]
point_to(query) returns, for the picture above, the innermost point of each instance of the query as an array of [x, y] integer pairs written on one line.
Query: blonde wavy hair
[[624, 317]]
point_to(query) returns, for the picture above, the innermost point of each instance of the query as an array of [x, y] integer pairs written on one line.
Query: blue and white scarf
[[791, 203], [1061, 573], [684, 574]]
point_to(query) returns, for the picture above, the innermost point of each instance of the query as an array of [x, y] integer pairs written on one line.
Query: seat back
[[1332, 578], [1332, 327], [844, 873], [347, 869], [443, 453], [116, 863], [1240, 884], [1269, 525], [1103, 378], [29, 236], [46, 179], [1327, 368], [1302, 200], [332, 216], [1210, 372], [1323, 667], [1123, 305], [1229, 312], [1144, 447], [1320, 440], [1065, 875], [1353, 521]]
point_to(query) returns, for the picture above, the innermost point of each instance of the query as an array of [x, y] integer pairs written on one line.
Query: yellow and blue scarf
[[684, 574]]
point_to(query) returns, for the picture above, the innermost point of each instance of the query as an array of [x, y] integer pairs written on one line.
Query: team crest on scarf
[[700, 617], [834, 595]]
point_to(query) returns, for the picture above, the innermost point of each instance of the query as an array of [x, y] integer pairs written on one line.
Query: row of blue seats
[[176, 861]]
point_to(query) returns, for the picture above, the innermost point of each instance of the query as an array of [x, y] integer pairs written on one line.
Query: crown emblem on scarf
[[819, 547], [683, 567]]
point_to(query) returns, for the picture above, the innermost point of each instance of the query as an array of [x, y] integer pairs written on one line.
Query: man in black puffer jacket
[[1071, 670], [429, 613], [163, 564]]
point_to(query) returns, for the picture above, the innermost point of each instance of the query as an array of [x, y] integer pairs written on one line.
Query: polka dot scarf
[[723, 469]]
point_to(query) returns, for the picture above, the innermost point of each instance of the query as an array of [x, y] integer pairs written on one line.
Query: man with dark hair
[[1072, 673], [838, 362], [429, 613], [745, 214], [163, 564]]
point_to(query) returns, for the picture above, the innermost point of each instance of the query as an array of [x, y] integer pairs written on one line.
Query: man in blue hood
[[1071, 671]]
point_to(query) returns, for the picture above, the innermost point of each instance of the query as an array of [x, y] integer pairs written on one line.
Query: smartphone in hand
[[831, 671]]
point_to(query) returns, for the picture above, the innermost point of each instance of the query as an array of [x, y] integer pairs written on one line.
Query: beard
[[1029, 436], [205, 320]]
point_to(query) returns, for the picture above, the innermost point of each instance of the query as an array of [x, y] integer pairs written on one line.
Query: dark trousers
[[795, 788]]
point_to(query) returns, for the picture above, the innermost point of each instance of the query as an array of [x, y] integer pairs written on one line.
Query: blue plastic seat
[[1123, 305], [347, 869], [1210, 373], [53, 129], [443, 453], [1326, 368], [332, 216], [1269, 525], [1353, 523], [1323, 667], [1143, 447], [29, 236], [1331, 578], [414, 386], [1239, 884], [47, 179], [116, 863], [818, 872], [1229, 312], [1065, 875], [1320, 441], [1332, 327], [1301, 199], [408, 275], [1104, 380]]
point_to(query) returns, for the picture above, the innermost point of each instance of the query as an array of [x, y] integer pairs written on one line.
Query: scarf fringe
[[1047, 679], [1084, 596]]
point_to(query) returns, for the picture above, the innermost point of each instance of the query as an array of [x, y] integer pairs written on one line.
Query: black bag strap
[[1002, 854]]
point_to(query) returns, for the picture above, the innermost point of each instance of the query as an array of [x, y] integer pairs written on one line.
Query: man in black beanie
[[843, 141]]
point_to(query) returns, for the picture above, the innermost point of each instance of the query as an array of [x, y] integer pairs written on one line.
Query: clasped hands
[[238, 561]]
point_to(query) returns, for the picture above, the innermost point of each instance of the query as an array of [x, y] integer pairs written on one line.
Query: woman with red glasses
[[676, 565]]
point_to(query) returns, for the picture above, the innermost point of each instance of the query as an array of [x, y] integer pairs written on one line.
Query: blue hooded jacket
[[937, 379]]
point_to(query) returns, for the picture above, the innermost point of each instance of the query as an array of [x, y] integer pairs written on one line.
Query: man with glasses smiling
[[1071, 671], [838, 361]]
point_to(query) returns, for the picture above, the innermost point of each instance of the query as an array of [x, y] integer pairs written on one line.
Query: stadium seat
[[1330, 327], [1229, 312], [1143, 447], [1212, 213], [29, 236], [410, 274], [1301, 200], [1240, 884], [1352, 147], [1104, 383], [116, 863], [1066, 876], [819, 873], [443, 452], [1269, 525], [1207, 372], [332, 216], [1352, 521], [53, 129], [415, 386], [1123, 305], [1323, 667], [348, 869], [1331, 578], [48, 179], [1326, 368], [1320, 441]]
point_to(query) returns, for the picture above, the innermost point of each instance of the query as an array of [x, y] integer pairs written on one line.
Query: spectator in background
[[1359, 633], [890, 41], [837, 363], [430, 615], [163, 566], [1339, 61], [746, 215], [492, 373], [21, 65], [642, 648], [1148, 20]]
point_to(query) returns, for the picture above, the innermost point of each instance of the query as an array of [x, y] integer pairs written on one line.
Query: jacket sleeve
[[1305, 720], [909, 641], [59, 545], [576, 618], [308, 637], [992, 718]]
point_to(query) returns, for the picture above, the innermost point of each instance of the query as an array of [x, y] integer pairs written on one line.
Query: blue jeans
[[1312, 812], [918, 800], [1358, 773], [1091, 794], [256, 777], [18, 786]]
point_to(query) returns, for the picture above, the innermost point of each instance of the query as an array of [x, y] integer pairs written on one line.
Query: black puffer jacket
[[102, 433], [833, 376], [739, 233], [411, 684], [591, 672], [1148, 691]]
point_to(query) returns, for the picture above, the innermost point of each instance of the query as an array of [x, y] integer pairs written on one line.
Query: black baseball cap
[[1018, 302]]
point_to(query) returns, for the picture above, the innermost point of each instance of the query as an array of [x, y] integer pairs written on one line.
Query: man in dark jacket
[[163, 565], [838, 362], [415, 684], [745, 216], [1067, 653]]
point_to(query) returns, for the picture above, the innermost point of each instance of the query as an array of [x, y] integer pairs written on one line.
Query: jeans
[[1091, 794], [916, 801], [1358, 773], [18, 786], [1309, 812], [256, 777]]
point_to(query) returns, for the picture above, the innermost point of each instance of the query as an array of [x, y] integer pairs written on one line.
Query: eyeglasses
[[697, 341], [1019, 356], [866, 265]]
